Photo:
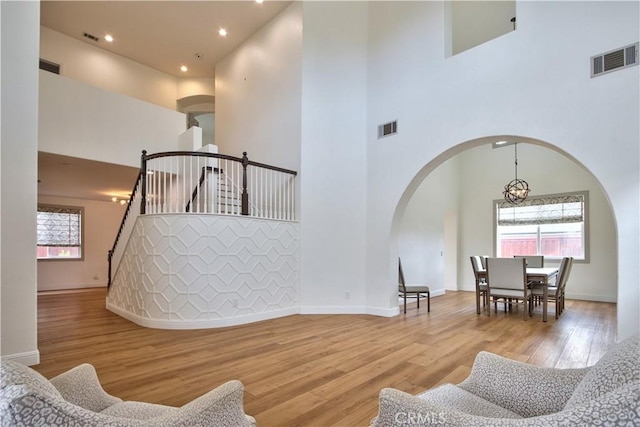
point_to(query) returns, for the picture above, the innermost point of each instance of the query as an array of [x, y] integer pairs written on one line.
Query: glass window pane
[[560, 240], [59, 232], [517, 240]]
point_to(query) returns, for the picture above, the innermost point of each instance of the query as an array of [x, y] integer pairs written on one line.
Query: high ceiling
[[163, 34], [160, 34]]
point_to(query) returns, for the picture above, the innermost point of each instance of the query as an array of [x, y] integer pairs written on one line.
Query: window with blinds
[[59, 232], [554, 226]]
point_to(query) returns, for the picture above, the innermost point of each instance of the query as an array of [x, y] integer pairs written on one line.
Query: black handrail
[[218, 156], [194, 194], [124, 219]]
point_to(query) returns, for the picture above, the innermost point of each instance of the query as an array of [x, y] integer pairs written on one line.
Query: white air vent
[[387, 129], [614, 60]]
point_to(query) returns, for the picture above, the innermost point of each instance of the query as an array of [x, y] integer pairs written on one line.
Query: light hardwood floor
[[310, 370]]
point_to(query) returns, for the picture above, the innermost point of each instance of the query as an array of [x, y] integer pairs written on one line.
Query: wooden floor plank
[[310, 370]]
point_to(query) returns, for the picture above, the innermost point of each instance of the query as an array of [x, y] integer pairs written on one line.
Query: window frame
[[586, 228], [81, 246]]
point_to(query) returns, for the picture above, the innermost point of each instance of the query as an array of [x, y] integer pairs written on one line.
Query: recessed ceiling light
[[184, 69], [222, 32], [259, 1], [108, 38]]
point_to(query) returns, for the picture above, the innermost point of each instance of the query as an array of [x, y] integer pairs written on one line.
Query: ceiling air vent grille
[[614, 60], [91, 37], [387, 129]]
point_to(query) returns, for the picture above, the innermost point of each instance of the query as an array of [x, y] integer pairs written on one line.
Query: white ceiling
[[160, 34], [63, 176], [163, 34]]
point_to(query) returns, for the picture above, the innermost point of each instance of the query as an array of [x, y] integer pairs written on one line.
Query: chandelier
[[516, 190]]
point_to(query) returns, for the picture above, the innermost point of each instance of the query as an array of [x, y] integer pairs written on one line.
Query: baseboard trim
[[354, 309], [28, 358], [590, 297], [45, 290], [200, 324]]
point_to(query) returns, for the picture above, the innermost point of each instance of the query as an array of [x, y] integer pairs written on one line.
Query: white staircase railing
[[186, 182]]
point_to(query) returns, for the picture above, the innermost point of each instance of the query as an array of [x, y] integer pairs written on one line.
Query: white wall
[[194, 87], [80, 120], [101, 222], [258, 94], [533, 82], [423, 232], [301, 104], [232, 280], [18, 166], [333, 169], [101, 68]]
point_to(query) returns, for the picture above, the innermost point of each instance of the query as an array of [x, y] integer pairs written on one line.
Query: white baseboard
[[28, 358], [201, 324], [72, 288], [355, 309], [383, 311], [374, 311], [590, 297]]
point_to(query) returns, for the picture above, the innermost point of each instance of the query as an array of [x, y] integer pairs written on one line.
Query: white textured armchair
[[503, 392], [76, 398]]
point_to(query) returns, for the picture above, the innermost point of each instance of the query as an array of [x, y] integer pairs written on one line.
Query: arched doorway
[[200, 110], [446, 214]]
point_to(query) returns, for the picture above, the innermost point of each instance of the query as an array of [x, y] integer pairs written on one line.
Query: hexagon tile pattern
[[203, 271]]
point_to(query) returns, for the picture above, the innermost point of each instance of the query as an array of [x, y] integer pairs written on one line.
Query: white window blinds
[[542, 210], [58, 226]]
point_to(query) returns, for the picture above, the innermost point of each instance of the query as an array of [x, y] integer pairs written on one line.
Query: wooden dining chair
[[412, 291], [481, 284], [556, 292], [507, 281]]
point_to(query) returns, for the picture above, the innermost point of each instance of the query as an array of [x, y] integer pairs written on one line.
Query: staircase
[[223, 197], [182, 182]]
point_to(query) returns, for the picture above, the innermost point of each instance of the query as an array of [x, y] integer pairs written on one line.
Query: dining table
[[541, 275]]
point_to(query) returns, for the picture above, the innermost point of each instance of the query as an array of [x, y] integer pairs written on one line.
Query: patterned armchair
[[503, 392], [76, 398]]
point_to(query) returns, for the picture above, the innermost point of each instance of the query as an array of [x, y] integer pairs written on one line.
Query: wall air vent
[[614, 60], [49, 66], [91, 37], [387, 129]]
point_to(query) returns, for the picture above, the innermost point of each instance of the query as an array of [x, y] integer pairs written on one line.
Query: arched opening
[[446, 214], [200, 110]]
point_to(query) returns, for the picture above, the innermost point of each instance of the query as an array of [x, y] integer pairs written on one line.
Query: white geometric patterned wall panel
[[203, 271]]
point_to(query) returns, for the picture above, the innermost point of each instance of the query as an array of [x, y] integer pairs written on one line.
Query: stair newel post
[[245, 195], [143, 182]]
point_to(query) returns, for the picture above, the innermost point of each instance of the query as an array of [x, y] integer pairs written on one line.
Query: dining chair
[[413, 290], [481, 284], [483, 260], [507, 280], [556, 292], [534, 261]]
